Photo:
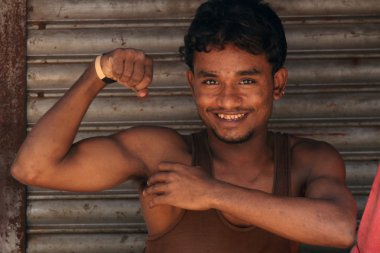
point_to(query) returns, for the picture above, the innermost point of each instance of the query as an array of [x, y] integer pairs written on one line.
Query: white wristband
[[98, 68], [99, 71]]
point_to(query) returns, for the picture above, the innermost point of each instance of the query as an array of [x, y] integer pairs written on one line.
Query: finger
[[117, 66], [156, 189], [146, 79], [159, 200], [170, 166], [128, 64], [142, 93], [160, 177], [138, 69]]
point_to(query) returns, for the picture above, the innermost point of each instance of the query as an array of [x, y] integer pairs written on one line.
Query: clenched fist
[[129, 67]]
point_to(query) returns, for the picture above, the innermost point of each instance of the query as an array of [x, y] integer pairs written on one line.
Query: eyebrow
[[249, 72], [204, 73]]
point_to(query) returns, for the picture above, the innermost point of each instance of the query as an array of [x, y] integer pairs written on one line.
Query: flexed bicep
[[96, 164]]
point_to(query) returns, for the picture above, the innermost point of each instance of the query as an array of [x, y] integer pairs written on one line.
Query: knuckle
[[138, 51], [125, 77], [134, 81], [172, 177], [130, 53], [147, 79], [140, 54], [171, 188], [117, 51], [152, 188], [117, 72]]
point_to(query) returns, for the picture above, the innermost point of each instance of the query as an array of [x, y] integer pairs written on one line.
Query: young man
[[235, 187]]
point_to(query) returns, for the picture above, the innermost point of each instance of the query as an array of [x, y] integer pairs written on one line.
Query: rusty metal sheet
[[329, 105], [82, 211], [312, 37], [47, 10], [307, 76], [360, 175], [337, 37], [113, 109], [342, 137], [12, 122], [87, 243], [95, 41], [326, 7], [125, 190], [182, 108]]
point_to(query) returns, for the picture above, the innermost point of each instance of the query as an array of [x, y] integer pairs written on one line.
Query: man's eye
[[247, 81], [210, 82]]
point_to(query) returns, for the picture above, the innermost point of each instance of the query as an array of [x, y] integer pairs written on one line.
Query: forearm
[[310, 221], [325, 216], [51, 138]]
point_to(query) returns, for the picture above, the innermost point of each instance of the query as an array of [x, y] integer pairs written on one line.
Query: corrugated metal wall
[[333, 94], [12, 122]]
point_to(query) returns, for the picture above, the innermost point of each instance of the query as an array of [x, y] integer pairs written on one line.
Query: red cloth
[[368, 240]]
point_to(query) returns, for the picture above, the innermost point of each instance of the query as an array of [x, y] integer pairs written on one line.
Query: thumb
[[142, 93]]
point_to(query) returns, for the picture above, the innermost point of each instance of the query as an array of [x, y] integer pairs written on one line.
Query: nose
[[229, 97]]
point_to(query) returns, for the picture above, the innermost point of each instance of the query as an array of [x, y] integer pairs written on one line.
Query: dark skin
[[234, 92]]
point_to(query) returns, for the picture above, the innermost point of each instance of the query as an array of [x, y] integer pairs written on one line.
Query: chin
[[234, 140]]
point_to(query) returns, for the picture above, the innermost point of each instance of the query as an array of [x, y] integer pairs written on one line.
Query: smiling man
[[234, 91], [233, 187]]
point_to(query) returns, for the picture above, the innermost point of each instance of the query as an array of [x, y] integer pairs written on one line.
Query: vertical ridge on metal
[[12, 122]]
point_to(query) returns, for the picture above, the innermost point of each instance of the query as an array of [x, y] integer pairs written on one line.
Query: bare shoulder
[[153, 144], [313, 150], [319, 169], [318, 158]]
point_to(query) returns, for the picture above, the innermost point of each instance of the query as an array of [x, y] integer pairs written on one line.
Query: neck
[[257, 149]]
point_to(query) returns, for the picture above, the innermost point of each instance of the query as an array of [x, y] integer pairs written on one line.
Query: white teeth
[[230, 116]]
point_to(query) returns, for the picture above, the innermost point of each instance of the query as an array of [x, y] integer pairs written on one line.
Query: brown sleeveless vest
[[209, 232]]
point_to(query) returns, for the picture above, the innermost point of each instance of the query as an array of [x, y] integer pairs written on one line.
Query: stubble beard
[[239, 140]]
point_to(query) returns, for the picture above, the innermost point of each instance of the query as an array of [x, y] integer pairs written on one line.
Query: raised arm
[[47, 158]]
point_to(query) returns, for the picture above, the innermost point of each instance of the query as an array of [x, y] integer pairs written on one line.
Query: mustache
[[222, 109]]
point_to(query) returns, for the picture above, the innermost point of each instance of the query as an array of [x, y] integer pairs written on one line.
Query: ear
[[190, 79], [280, 79]]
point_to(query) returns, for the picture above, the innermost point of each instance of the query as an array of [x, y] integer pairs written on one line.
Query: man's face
[[234, 92]]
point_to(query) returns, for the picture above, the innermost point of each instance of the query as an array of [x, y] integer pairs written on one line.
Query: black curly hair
[[251, 25]]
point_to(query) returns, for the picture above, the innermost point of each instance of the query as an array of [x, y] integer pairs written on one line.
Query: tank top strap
[[201, 154], [282, 161]]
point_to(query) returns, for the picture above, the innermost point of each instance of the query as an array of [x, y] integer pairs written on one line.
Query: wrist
[[99, 72], [90, 82], [216, 193]]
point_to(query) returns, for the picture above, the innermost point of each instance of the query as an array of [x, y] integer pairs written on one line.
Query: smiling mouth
[[231, 117]]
